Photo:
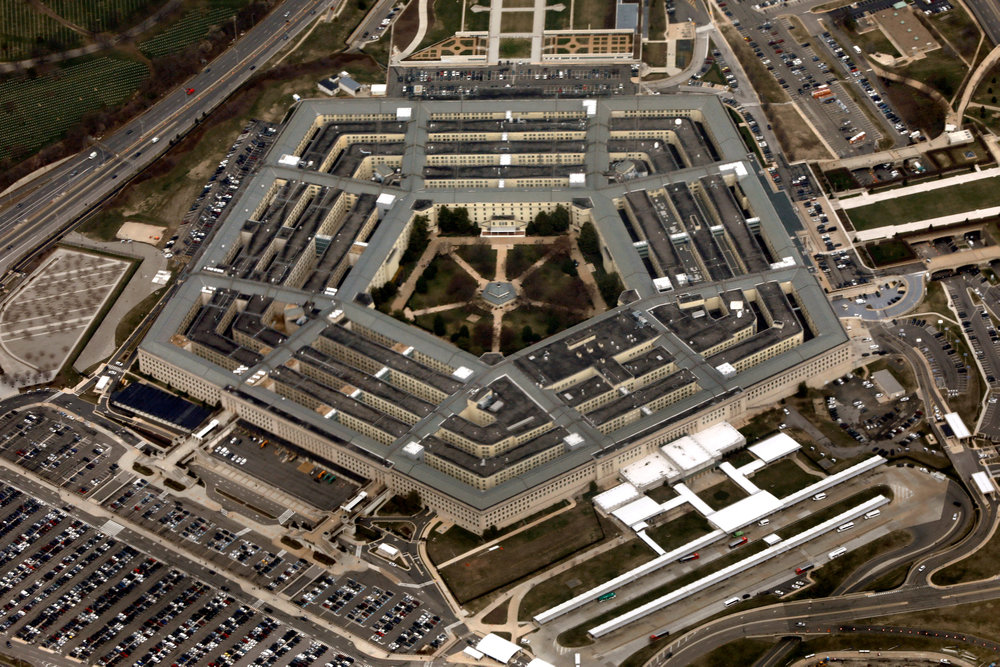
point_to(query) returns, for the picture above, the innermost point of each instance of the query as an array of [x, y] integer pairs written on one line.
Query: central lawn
[[522, 256], [525, 553], [591, 572], [449, 284], [783, 478], [924, 205], [723, 494], [480, 257], [550, 284]]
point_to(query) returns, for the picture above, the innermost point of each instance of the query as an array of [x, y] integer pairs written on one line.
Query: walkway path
[[421, 30], [991, 59]]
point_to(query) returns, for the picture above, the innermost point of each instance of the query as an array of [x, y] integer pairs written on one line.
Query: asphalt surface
[[65, 193], [988, 14]]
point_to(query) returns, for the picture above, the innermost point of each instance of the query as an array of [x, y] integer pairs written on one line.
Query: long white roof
[[615, 497], [638, 510], [497, 648], [686, 454], [984, 482], [774, 447], [958, 427], [745, 511], [719, 438]]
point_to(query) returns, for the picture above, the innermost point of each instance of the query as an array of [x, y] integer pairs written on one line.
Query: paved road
[[63, 194], [988, 14]]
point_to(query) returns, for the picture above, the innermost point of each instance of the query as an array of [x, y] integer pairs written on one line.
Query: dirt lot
[[796, 137]]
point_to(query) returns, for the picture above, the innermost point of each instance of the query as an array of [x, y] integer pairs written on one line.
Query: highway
[[987, 12], [65, 193]]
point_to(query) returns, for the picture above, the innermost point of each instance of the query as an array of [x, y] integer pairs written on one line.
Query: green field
[[889, 251], [523, 553], [783, 478], [925, 205], [38, 111], [192, 26], [591, 572], [104, 15], [25, 32]]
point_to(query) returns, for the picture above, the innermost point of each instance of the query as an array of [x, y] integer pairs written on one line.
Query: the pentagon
[[718, 315]]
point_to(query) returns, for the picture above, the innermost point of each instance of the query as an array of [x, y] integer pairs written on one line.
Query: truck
[[102, 383], [805, 567], [689, 557], [860, 136]]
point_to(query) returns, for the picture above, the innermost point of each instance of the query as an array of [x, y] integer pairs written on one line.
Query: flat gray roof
[[518, 379]]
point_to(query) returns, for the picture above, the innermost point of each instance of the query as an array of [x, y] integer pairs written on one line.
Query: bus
[[805, 567], [659, 635], [684, 559], [846, 526], [738, 543], [872, 514], [606, 596], [731, 601], [836, 553]]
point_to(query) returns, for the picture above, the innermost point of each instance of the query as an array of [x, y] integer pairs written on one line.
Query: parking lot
[[509, 81], [949, 371], [807, 77], [84, 594], [842, 268], [58, 448], [222, 187]]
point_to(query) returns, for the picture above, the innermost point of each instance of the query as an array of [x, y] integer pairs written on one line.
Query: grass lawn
[[577, 636], [924, 205], [761, 80], [959, 29], [662, 493], [515, 47], [829, 511], [132, 318], [593, 15], [516, 21], [677, 532], [740, 458], [525, 553], [723, 494], [447, 15], [761, 426], [439, 290], [521, 256], [583, 577], [657, 19], [549, 283], [655, 54], [557, 20], [480, 257], [889, 251], [476, 21], [978, 618], [827, 578], [497, 615], [874, 642], [714, 75], [783, 478], [543, 322], [874, 41], [944, 71], [935, 301], [739, 652]]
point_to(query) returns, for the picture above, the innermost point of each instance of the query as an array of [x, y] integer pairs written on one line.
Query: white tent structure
[[497, 648]]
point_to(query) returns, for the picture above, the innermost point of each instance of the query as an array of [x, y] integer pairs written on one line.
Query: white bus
[[872, 514], [846, 526], [836, 553], [731, 601]]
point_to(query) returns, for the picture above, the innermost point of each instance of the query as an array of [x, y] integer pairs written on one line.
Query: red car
[[190, 91]]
